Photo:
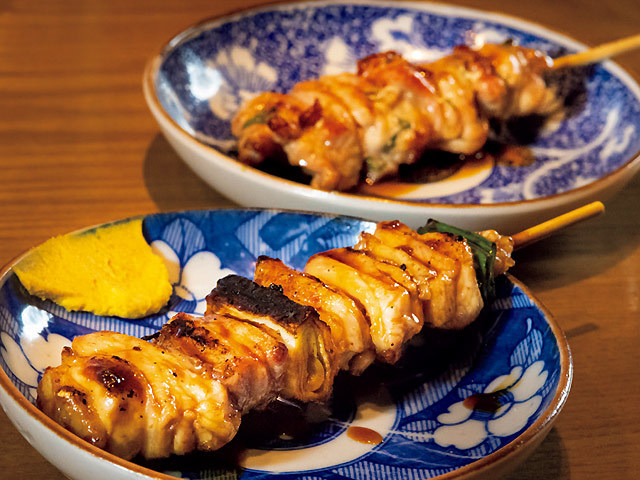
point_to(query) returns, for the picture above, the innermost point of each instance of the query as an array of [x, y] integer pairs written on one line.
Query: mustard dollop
[[110, 270]]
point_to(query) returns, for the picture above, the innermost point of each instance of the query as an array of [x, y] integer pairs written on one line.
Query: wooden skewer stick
[[546, 229], [597, 54]]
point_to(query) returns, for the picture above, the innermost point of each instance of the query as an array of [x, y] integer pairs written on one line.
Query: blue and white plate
[[473, 403], [200, 78]]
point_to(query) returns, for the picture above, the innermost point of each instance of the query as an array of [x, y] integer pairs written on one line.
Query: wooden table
[[79, 147]]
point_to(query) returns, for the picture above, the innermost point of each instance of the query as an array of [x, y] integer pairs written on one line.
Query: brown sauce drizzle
[[433, 166], [364, 435], [436, 165], [485, 402]]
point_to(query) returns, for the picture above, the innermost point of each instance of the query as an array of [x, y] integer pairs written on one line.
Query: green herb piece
[[391, 144], [374, 165], [260, 117], [483, 250]]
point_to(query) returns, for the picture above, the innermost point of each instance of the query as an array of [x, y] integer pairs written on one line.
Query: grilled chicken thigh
[[311, 368], [246, 359], [393, 313], [349, 328]]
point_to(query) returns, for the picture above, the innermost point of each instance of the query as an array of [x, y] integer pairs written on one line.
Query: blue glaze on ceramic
[[209, 70], [427, 429]]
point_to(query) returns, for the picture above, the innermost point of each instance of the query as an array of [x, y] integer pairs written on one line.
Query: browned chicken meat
[[249, 361], [311, 367], [341, 128], [287, 334], [349, 327], [130, 397]]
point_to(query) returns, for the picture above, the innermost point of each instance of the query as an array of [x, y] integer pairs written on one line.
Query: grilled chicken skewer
[[340, 127], [286, 334]]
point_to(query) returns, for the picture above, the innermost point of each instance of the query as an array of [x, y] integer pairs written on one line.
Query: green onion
[[483, 250], [374, 165], [260, 117], [391, 144]]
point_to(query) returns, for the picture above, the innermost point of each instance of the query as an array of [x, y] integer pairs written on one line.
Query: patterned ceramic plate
[[201, 77], [458, 404]]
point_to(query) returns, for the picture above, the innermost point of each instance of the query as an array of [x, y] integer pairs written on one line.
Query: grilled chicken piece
[[349, 328], [341, 127], [455, 297], [329, 150], [130, 397], [504, 249], [311, 368], [419, 272], [393, 311], [311, 127], [521, 71], [247, 360], [408, 114]]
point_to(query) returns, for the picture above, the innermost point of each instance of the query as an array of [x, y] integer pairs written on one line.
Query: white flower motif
[[383, 30], [198, 277], [397, 35], [28, 359], [518, 401], [339, 57], [240, 77]]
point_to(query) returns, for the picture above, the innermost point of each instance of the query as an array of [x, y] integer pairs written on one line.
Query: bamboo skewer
[[597, 54], [548, 228]]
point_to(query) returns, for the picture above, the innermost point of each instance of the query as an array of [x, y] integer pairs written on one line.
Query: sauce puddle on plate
[[364, 435]]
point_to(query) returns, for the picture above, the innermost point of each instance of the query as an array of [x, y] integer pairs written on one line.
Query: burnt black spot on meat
[[248, 296], [183, 326], [70, 392], [153, 336]]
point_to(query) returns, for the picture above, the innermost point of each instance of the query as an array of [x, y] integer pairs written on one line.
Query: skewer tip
[[597, 54], [546, 229]]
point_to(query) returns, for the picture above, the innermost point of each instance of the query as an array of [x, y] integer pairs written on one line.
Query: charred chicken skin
[[288, 334]]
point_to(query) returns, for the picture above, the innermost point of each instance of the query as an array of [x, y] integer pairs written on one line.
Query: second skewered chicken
[[342, 127]]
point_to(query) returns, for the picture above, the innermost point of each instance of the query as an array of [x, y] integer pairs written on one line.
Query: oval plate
[[471, 403], [201, 77]]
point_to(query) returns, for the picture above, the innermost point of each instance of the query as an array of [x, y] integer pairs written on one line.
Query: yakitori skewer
[[286, 334], [340, 130]]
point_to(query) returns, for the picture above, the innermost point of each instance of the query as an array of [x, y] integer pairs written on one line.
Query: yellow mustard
[[109, 270]]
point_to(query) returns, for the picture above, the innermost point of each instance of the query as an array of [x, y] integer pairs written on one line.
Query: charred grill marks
[[248, 296]]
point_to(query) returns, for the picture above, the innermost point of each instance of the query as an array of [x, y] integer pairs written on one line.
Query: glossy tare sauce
[[364, 435], [434, 166]]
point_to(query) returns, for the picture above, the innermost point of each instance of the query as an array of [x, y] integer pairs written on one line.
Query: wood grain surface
[[78, 147]]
